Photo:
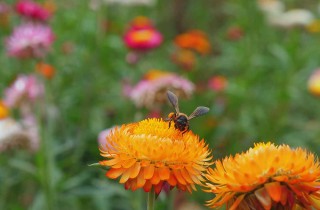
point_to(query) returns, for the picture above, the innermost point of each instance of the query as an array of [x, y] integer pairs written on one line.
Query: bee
[[181, 120]]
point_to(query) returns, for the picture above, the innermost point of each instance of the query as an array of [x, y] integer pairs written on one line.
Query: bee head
[[171, 115]]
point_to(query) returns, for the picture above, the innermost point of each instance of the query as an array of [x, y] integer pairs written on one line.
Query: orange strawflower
[[4, 111], [141, 22], [50, 6], [195, 40], [154, 74], [148, 154], [266, 177], [184, 58], [45, 69]]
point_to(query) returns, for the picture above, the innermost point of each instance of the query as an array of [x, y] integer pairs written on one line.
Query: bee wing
[[200, 110], [173, 100]]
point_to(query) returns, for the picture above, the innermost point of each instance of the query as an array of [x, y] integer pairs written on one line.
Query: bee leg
[[169, 123], [186, 130]]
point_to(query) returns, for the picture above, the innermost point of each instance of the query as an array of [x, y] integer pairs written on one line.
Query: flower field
[[101, 104]]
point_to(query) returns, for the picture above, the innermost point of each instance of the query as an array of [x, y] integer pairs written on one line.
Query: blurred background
[[70, 70]]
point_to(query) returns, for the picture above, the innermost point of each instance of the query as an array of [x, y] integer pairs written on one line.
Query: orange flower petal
[[110, 162], [127, 185], [114, 173], [274, 190], [225, 198], [145, 163], [195, 179], [284, 195], [280, 178], [186, 175], [155, 178], [140, 180], [172, 180], [237, 202], [158, 188], [314, 201], [181, 187], [134, 170], [125, 176], [134, 185], [178, 175], [147, 186], [164, 173], [191, 170], [295, 189], [128, 163], [148, 171]]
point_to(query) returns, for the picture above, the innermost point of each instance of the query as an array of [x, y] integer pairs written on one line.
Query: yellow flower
[[154, 74], [265, 177], [4, 111], [314, 26], [314, 83], [150, 154]]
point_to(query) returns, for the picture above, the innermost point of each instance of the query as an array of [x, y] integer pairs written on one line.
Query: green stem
[[171, 199], [46, 176], [46, 159], [151, 198]]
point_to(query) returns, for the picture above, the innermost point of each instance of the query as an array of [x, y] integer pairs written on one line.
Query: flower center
[[142, 35], [4, 112]]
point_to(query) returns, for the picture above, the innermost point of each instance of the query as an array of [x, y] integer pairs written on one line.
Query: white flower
[[12, 135], [277, 15], [292, 18]]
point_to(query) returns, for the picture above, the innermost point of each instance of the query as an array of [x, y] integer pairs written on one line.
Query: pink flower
[[102, 138], [142, 35], [32, 10], [151, 91], [30, 40], [24, 88]]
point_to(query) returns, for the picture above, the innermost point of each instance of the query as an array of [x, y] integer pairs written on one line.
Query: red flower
[[142, 35], [32, 10]]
